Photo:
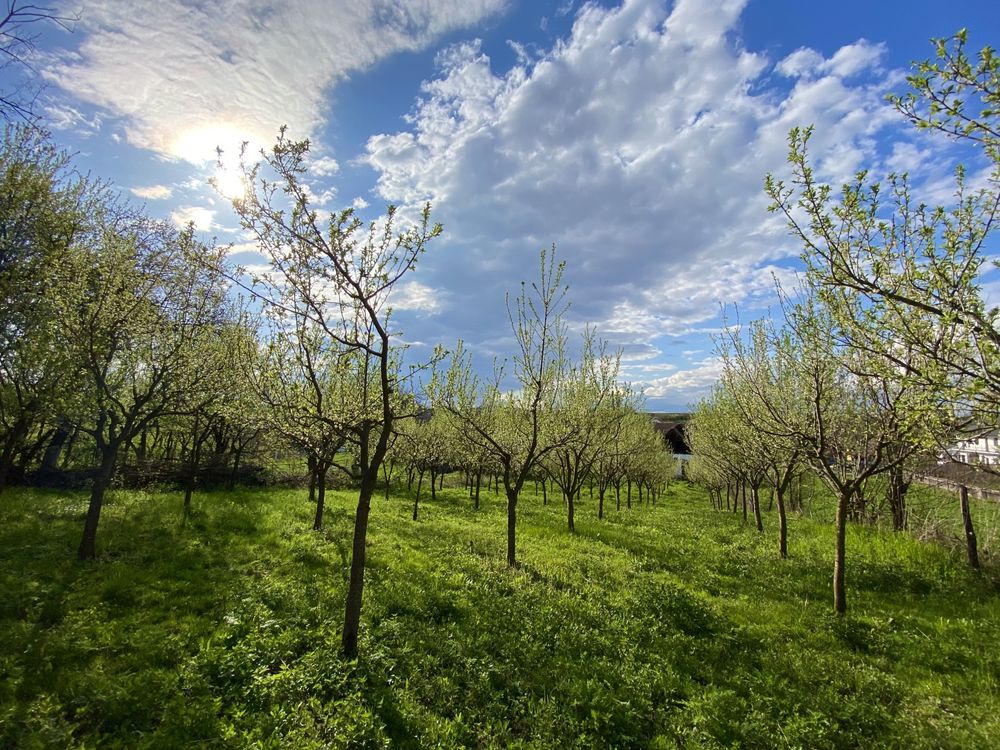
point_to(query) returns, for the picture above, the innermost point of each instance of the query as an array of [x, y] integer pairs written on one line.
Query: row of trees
[[890, 352], [128, 332]]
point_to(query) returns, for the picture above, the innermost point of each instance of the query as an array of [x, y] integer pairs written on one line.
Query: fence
[[980, 493]]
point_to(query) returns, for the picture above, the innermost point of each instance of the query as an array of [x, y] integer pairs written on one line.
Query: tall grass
[[662, 626]]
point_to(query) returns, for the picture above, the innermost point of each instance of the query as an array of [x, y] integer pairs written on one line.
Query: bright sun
[[198, 145], [230, 182]]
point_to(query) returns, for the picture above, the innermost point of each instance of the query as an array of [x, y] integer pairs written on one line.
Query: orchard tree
[[851, 427], [515, 427], [587, 412], [341, 273], [46, 210], [917, 268], [761, 385], [140, 317]]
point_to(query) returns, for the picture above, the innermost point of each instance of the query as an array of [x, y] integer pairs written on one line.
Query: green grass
[[672, 626]]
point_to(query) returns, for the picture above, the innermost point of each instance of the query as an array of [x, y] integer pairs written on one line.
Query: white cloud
[[637, 146], [412, 295], [66, 117], [202, 218], [685, 386], [323, 166], [152, 192], [802, 62], [189, 77], [847, 61]]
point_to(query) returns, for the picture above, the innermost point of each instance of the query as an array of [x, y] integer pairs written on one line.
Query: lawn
[[666, 626]]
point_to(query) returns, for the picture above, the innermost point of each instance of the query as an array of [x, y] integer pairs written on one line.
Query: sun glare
[[229, 182], [202, 144], [199, 144]]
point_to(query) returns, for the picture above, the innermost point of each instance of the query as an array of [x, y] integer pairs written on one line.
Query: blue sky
[[635, 136]]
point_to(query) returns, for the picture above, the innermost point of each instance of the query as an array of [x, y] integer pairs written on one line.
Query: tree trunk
[[321, 470], [569, 512], [192, 469], [755, 497], [618, 497], [782, 525], [355, 590], [545, 495], [416, 498], [511, 528], [88, 545], [312, 479], [14, 439], [433, 485], [600, 502], [628, 497], [971, 547], [68, 453], [479, 477], [387, 475], [839, 594], [50, 460], [237, 455], [898, 487], [742, 488]]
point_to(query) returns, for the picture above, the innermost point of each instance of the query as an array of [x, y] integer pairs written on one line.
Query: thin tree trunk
[[416, 498], [433, 485], [600, 502], [755, 496], [237, 455], [511, 529], [782, 525], [478, 479], [545, 495], [971, 546], [321, 470], [50, 460], [68, 453], [14, 438], [311, 462], [569, 512], [88, 545], [839, 594], [898, 487], [355, 589]]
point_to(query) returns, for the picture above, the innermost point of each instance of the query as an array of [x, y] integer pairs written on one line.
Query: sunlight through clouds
[[216, 74]]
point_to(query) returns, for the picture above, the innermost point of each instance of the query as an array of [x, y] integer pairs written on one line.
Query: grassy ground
[[672, 626]]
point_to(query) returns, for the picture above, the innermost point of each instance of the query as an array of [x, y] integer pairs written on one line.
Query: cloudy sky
[[635, 136]]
